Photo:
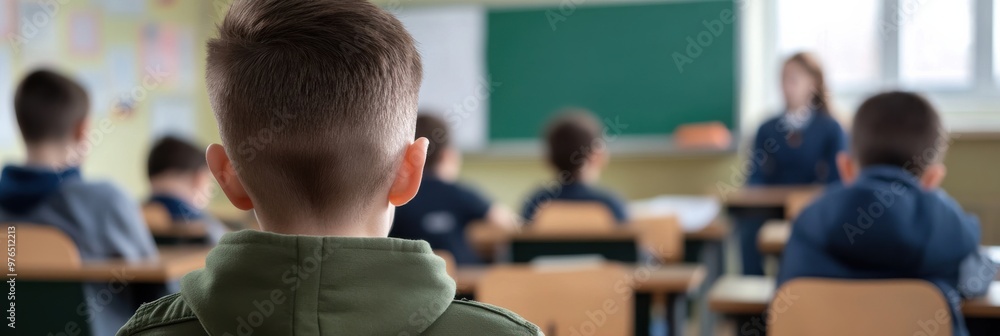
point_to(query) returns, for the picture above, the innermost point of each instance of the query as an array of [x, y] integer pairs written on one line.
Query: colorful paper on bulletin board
[[39, 39], [162, 49], [84, 33], [124, 6], [173, 116], [125, 81], [8, 130], [8, 22]]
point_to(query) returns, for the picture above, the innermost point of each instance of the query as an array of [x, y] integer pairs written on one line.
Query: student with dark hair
[[333, 84], [443, 208], [890, 219], [577, 154], [797, 147], [48, 189], [181, 182]]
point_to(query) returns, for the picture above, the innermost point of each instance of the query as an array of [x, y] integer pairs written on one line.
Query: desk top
[[172, 264], [750, 295], [765, 196], [658, 278]]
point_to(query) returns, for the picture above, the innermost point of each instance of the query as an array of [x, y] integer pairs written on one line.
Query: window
[[936, 44], [844, 33], [931, 46]]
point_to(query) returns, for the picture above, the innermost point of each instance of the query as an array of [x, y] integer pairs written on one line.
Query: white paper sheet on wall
[[173, 116], [98, 89], [456, 86], [8, 126]]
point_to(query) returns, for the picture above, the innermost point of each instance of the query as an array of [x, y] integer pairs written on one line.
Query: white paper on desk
[[693, 212]]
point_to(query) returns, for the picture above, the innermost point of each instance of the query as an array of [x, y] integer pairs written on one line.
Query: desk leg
[[749, 325], [676, 313], [643, 303], [713, 257]]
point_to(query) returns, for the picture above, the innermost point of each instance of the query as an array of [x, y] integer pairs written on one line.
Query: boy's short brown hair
[[571, 139], [436, 131], [899, 129], [315, 99], [48, 106], [172, 154]]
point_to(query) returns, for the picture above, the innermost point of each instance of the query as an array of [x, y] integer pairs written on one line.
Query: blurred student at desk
[[443, 207], [798, 147], [181, 182], [577, 154], [48, 189]]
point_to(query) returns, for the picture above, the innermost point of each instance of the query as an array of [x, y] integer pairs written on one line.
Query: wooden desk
[[769, 202], [773, 237], [663, 279], [673, 281], [750, 295], [172, 264]]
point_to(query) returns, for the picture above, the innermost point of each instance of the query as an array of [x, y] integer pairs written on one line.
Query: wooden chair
[[157, 217], [798, 201], [661, 236], [449, 261], [821, 307], [47, 246], [561, 216], [562, 301]]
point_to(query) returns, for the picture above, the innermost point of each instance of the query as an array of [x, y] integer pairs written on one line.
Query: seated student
[[443, 208], [578, 155], [48, 189], [180, 182], [335, 83], [890, 219]]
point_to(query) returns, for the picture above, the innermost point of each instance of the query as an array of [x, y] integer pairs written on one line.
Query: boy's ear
[[847, 167], [408, 177], [224, 172], [80, 131], [933, 176]]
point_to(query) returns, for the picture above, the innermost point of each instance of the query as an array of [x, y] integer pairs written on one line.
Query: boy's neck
[[374, 226], [55, 156]]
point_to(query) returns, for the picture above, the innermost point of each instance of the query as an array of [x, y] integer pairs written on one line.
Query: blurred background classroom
[[681, 96]]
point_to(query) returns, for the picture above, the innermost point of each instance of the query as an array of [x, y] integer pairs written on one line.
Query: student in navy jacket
[[798, 147], [48, 189], [578, 154], [181, 182], [443, 208], [889, 219]]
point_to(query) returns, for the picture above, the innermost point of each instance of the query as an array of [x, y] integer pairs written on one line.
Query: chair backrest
[[821, 307], [563, 216], [798, 201], [46, 246], [563, 301], [449, 261], [157, 217], [709, 135], [662, 236]]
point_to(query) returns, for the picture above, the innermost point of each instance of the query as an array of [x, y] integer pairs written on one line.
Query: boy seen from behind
[[181, 183], [578, 154], [443, 208], [890, 219], [48, 189], [332, 85]]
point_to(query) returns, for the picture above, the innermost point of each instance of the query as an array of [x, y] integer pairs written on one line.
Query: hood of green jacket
[[259, 283]]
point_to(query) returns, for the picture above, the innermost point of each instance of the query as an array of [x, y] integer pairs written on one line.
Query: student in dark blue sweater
[[578, 154], [443, 208], [181, 183], [798, 147], [889, 219]]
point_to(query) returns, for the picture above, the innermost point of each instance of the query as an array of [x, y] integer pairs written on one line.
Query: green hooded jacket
[[259, 283]]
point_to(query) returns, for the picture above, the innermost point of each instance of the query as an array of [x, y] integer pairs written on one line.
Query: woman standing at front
[[800, 145]]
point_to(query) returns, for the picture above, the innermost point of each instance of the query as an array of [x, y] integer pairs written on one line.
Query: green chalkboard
[[620, 61]]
